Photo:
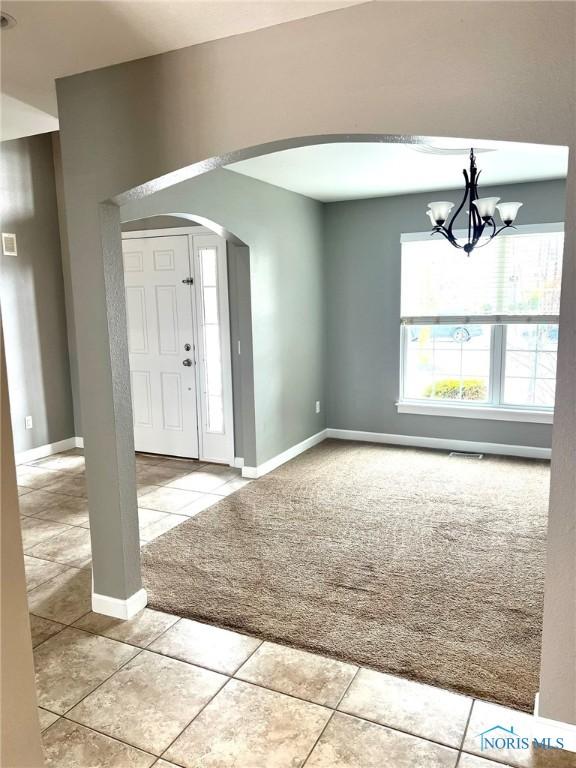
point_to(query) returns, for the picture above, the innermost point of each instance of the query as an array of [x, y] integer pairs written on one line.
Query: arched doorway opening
[[160, 187]]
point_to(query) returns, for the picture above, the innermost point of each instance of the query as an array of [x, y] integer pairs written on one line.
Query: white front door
[[159, 311]]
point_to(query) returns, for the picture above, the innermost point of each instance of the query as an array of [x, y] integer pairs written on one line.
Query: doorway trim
[[226, 349]]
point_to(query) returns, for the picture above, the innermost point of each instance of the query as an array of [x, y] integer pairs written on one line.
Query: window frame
[[495, 407]]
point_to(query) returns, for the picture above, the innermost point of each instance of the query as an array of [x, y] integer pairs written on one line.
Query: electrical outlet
[[28, 422], [317, 406]]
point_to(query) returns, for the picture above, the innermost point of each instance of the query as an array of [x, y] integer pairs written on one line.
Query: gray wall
[[284, 234], [32, 294], [362, 252], [242, 364]]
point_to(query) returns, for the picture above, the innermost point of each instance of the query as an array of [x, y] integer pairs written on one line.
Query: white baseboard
[[43, 451], [120, 609], [79, 442], [282, 458], [237, 462], [415, 441]]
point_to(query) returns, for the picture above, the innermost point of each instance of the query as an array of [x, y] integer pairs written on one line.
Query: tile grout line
[[139, 651], [106, 735], [346, 689], [49, 520], [326, 724], [463, 740], [100, 684], [50, 578], [26, 550], [400, 730], [247, 659], [87, 564], [211, 699], [64, 626]]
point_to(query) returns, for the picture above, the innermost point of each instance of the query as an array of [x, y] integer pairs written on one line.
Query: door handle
[[187, 362]]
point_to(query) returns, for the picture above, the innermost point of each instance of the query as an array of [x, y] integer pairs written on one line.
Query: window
[[480, 332], [211, 339]]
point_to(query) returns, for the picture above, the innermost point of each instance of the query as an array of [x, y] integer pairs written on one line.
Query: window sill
[[476, 412]]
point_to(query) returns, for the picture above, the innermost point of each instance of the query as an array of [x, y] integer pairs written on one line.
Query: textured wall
[[362, 246], [32, 293]]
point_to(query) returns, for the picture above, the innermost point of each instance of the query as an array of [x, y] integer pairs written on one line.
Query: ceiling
[[54, 38], [331, 172]]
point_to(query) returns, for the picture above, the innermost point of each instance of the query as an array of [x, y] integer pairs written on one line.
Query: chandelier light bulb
[[508, 212], [440, 211], [486, 207]]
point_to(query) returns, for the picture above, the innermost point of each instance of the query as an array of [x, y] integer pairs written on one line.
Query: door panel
[[160, 324]]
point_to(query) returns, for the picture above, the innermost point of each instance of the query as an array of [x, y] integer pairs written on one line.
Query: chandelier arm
[[504, 226], [450, 226], [462, 204], [493, 222], [443, 231], [492, 236], [478, 223], [478, 232]]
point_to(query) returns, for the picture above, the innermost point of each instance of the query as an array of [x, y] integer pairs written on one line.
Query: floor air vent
[[464, 455]]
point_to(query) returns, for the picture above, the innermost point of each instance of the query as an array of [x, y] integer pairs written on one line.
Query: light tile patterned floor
[[164, 691]]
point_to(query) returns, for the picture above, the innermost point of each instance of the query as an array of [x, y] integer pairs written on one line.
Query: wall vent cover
[[464, 455], [9, 244]]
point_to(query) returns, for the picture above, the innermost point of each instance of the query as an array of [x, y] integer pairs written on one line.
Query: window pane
[[211, 334], [210, 298], [520, 363], [213, 360], [544, 392], [208, 264], [530, 365], [517, 274], [215, 414], [446, 362], [546, 365]]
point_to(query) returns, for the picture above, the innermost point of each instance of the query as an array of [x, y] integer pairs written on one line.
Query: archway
[[196, 170], [238, 341]]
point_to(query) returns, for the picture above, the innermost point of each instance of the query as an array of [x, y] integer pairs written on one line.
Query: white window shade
[[515, 278]]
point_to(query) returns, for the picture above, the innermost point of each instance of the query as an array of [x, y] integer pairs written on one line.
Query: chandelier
[[481, 222]]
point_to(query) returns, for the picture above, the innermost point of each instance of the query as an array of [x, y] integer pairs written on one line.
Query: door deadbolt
[[187, 362], [187, 347]]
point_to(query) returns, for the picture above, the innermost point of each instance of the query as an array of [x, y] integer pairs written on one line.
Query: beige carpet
[[403, 560]]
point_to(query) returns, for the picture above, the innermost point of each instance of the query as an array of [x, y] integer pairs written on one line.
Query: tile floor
[[165, 691]]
